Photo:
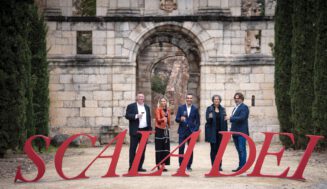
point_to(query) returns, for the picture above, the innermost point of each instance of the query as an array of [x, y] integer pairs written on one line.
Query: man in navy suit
[[239, 120], [189, 122], [139, 118]]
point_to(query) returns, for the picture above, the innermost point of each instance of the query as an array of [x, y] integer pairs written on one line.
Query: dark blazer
[[211, 130], [240, 119], [192, 122], [131, 111]]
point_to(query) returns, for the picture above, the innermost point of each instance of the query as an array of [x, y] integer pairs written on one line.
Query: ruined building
[[101, 52]]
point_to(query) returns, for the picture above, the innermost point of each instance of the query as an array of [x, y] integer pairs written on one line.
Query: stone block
[[196, 29], [76, 130], [257, 78], [257, 70], [232, 70], [56, 87], [77, 122], [245, 70], [203, 36], [80, 78], [267, 86], [56, 104], [64, 112], [66, 79], [58, 121], [232, 87], [102, 95], [124, 87], [269, 78], [249, 86], [237, 41], [104, 104], [258, 95], [118, 95], [102, 121], [72, 104], [216, 33], [267, 33], [63, 95], [118, 111], [235, 11], [99, 49], [91, 112], [98, 79], [91, 103], [268, 69], [107, 112], [86, 87], [257, 111], [87, 94], [270, 111], [128, 95], [237, 49], [105, 87]]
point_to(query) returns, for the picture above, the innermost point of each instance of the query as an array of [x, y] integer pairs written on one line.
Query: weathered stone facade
[[225, 51]]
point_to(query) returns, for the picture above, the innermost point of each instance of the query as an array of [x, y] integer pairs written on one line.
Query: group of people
[[188, 117]]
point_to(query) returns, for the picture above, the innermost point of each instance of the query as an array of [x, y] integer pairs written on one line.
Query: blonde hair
[[159, 102]]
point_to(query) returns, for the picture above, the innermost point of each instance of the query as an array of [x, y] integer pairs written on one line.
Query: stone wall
[[217, 52]]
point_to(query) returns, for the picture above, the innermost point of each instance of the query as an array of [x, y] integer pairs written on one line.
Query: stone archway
[[170, 55]]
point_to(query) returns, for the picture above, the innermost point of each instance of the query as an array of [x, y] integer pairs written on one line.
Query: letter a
[[181, 171], [133, 171]]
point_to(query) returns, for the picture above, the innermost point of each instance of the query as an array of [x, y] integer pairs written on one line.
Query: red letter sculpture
[[264, 152], [226, 137], [181, 171], [133, 171], [37, 160]]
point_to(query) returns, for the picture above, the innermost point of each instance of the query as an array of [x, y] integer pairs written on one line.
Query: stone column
[[52, 8]]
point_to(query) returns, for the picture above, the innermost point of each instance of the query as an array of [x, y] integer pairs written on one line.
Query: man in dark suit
[[239, 120], [189, 122], [139, 117]]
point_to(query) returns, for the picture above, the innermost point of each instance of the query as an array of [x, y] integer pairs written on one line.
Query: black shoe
[[165, 170], [142, 170], [235, 170], [189, 169]]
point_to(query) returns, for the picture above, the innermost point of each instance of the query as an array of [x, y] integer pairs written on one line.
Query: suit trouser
[[214, 148], [181, 150], [134, 141], [240, 144]]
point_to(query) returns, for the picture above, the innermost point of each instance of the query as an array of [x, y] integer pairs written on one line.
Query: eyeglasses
[[236, 98]]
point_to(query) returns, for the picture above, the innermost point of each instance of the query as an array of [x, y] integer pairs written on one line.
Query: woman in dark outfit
[[162, 142], [215, 117]]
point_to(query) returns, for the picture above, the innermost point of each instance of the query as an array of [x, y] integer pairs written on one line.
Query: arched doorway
[[168, 63]]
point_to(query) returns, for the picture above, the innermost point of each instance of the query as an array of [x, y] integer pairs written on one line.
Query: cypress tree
[[320, 75], [301, 90], [14, 60], [40, 74], [283, 65]]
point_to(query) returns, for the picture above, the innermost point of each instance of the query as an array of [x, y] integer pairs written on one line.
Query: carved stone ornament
[[168, 5]]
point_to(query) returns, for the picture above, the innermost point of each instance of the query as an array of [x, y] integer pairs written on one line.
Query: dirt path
[[315, 172]]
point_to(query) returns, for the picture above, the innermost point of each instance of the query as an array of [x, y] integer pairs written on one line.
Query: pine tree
[[283, 65], [320, 75]]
